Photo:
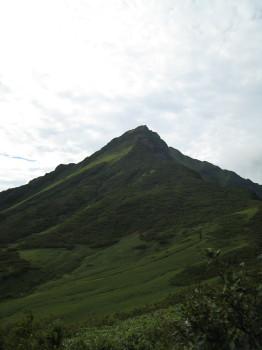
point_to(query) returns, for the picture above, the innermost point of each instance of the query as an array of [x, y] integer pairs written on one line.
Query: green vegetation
[[29, 334], [107, 158], [123, 229], [229, 317], [213, 173], [225, 316]]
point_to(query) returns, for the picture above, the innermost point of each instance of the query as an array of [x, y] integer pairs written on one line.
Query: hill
[[124, 227], [213, 173]]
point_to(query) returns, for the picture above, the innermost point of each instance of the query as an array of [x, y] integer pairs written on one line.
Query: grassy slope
[[107, 158], [56, 201], [162, 214], [120, 277], [148, 331]]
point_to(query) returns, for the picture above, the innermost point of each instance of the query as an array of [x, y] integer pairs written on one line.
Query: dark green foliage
[[192, 275], [29, 334], [149, 332], [12, 269], [256, 227], [11, 264], [141, 247], [227, 317]]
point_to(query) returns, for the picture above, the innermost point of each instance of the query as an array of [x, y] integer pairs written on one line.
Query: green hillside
[[123, 228], [213, 173]]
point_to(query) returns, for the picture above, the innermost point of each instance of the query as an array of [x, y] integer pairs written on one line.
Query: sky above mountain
[[76, 73]]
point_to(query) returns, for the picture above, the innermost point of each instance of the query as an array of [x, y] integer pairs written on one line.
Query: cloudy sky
[[76, 73]]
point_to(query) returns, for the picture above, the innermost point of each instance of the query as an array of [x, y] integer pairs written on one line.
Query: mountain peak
[[141, 139], [141, 128], [148, 140]]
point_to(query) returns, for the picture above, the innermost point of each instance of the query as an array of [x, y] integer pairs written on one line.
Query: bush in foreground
[[29, 334], [224, 318]]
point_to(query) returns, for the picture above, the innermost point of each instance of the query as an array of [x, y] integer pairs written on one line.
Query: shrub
[[228, 317], [29, 334]]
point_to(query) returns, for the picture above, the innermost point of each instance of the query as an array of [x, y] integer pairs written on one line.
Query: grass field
[[126, 275]]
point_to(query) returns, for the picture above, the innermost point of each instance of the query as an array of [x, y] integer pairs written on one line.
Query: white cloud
[[74, 74]]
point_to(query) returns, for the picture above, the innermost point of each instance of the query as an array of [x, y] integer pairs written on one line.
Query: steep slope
[[89, 203], [128, 224], [215, 174]]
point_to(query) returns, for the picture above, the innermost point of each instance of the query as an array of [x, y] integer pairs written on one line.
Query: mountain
[[213, 173], [124, 227]]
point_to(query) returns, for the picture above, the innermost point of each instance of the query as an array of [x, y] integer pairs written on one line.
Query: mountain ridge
[[194, 164], [96, 231], [139, 146], [216, 174]]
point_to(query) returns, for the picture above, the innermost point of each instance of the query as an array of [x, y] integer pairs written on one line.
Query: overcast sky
[[76, 73]]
